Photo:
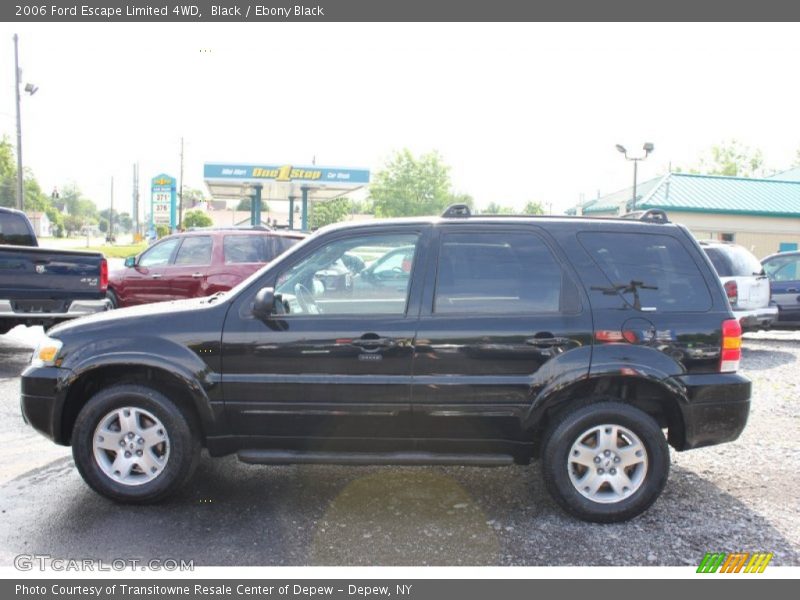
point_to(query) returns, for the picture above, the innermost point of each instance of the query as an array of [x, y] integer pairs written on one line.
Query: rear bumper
[[717, 408], [42, 400], [77, 308], [757, 318]]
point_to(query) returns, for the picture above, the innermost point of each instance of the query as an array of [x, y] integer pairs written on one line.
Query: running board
[[289, 457]]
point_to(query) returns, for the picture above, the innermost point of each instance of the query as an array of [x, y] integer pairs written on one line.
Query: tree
[[246, 203], [533, 208], [197, 218], [730, 158], [325, 213], [192, 197], [495, 209], [409, 186]]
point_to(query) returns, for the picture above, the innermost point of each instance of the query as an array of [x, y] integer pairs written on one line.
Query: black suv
[[576, 340]]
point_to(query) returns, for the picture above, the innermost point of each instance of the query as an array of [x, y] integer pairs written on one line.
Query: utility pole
[[19, 125], [111, 215], [180, 191], [136, 199]]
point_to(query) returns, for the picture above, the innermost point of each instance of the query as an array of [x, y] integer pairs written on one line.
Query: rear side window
[[14, 230], [244, 249], [733, 261], [656, 268], [500, 273]]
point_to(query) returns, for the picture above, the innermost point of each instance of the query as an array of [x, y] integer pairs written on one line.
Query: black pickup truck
[[40, 286]]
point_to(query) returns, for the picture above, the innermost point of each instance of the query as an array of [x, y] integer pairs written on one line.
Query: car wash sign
[[285, 173], [163, 201]]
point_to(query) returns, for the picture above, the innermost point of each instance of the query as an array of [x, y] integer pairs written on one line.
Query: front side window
[[336, 280], [783, 268], [650, 271], [159, 254], [500, 273]]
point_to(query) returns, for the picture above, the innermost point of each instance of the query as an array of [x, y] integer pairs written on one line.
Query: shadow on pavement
[[236, 514]]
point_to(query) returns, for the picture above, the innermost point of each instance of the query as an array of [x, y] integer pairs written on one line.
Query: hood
[[138, 316]]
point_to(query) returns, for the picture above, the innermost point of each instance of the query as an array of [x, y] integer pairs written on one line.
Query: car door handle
[[197, 275], [373, 343], [792, 290], [156, 276]]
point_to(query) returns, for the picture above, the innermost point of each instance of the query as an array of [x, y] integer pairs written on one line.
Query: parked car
[[783, 270], [41, 286], [195, 264], [574, 340], [745, 283]]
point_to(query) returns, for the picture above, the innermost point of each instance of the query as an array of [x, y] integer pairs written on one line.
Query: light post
[[648, 148], [30, 89]]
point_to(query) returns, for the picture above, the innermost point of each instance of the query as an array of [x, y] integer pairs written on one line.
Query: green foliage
[[729, 158], [196, 218], [192, 197], [325, 213], [162, 230], [246, 203], [122, 221], [8, 174], [410, 186], [496, 209], [533, 208]]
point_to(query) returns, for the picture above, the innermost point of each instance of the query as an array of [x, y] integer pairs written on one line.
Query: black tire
[[183, 444], [112, 297], [557, 462]]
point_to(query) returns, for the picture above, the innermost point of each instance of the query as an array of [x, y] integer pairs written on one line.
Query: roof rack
[[651, 215], [457, 211]]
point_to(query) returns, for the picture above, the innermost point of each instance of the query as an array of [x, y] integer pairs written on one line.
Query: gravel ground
[[733, 497]]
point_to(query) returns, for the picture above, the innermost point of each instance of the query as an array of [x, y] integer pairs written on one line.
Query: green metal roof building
[[760, 214]]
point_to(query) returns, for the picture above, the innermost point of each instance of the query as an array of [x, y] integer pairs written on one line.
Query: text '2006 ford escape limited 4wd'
[[483, 341]]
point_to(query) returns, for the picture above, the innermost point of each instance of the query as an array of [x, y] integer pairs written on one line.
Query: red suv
[[195, 264]]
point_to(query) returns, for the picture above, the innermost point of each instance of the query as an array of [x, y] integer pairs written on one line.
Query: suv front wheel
[[132, 444], [605, 462]]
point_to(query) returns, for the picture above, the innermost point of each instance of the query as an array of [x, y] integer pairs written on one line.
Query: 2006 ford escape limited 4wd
[[589, 343]]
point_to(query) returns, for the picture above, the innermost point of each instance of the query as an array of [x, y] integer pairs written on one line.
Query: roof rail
[[457, 211], [651, 215]]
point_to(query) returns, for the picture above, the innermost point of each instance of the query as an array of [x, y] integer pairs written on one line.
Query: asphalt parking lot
[[734, 497]]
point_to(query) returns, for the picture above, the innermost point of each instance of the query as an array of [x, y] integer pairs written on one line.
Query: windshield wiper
[[214, 297], [627, 288]]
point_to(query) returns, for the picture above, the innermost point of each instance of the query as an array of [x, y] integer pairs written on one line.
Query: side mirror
[[264, 304], [130, 262]]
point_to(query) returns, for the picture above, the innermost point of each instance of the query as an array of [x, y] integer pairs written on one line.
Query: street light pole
[[19, 124], [648, 148]]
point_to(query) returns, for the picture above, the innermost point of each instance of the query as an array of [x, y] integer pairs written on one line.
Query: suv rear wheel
[[605, 461], [132, 444]]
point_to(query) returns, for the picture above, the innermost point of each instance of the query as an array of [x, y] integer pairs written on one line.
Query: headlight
[[46, 353]]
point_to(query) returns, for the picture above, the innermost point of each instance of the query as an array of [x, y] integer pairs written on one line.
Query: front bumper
[[42, 400], [717, 408], [757, 318]]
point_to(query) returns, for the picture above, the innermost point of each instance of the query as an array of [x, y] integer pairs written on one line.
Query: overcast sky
[[519, 111]]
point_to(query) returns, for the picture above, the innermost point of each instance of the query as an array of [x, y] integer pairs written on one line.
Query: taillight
[[732, 291], [731, 346], [103, 275]]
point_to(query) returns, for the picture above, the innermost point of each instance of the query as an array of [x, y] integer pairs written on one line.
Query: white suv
[[745, 283]]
